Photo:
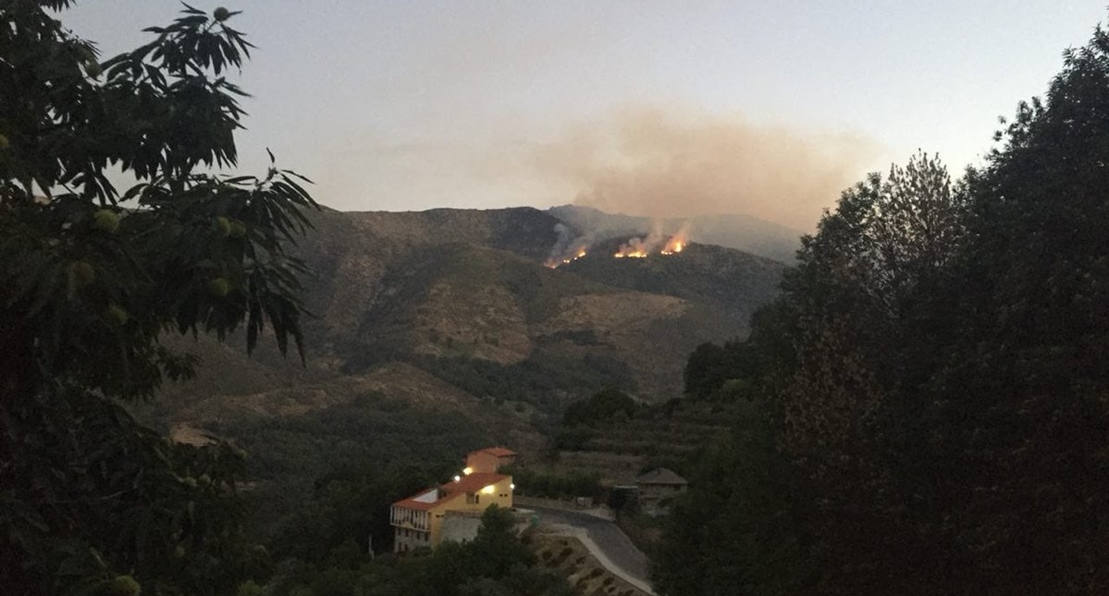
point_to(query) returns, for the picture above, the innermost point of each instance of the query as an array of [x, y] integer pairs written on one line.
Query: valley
[[440, 331], [212, 384]]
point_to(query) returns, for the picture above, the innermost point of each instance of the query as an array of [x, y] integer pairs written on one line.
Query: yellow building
[[419, 520]]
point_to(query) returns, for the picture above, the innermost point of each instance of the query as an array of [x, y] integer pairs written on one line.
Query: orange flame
[[642, 247], [635, 248], [673, 246], [554, 263]]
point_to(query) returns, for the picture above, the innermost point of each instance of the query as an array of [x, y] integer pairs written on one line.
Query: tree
[[603, 405], [834, 367], [705, 371], [496, 549], [93, 277], [940, 398], [1022, 397], [736, 530], [887, 242]]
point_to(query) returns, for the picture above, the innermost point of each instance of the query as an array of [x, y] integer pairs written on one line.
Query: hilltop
[[741, 232]]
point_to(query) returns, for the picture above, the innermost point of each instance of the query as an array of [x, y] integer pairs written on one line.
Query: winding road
[[605, 540]]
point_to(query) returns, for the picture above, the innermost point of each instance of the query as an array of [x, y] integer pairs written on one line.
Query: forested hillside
[[930, 387]]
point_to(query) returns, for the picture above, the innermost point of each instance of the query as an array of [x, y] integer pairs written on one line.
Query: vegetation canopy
[[94, 275]]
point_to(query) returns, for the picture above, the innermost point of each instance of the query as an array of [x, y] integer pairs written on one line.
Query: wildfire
[[578, 255], [655, 242], [675, 245], [554, 263]]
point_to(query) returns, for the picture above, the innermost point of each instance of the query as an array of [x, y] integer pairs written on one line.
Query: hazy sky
[[649, 107]]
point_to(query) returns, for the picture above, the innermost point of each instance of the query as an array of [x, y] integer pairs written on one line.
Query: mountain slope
[[464, 296]]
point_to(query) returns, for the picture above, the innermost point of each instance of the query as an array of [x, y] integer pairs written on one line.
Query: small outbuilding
[[489, 460], [656, 488]]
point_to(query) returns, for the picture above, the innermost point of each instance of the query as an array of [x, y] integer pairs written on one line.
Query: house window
[[473, 499]]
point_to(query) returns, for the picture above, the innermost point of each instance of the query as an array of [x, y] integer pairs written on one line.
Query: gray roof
[[660, 476]]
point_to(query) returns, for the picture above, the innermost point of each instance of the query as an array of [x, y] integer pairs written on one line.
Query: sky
[[646, 107]]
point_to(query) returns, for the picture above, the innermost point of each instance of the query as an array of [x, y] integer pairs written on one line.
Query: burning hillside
[[574, 255], [638, 247]]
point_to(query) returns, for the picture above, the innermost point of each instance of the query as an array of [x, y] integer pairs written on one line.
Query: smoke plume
[[652, 162], [562, 245]]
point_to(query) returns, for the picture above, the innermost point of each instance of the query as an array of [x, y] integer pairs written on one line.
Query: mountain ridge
[[730, 230]]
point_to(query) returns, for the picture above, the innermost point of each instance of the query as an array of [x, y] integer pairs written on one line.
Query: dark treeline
[[926, 406], [93, 277]]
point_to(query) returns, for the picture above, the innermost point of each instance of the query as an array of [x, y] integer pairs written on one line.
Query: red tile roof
[[466, 484], [497, 451], [412, 503], [473, 483]]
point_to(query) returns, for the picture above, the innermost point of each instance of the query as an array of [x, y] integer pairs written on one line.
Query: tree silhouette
[[94, 275]]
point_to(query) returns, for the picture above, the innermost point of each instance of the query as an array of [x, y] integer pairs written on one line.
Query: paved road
[[613, 543]]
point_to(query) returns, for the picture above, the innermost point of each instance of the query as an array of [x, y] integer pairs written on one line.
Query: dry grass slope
[[569, 557]]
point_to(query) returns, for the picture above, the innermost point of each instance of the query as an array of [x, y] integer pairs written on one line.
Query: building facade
[[418, 521]]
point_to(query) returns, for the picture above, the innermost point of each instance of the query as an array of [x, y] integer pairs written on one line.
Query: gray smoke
[[658, 163]]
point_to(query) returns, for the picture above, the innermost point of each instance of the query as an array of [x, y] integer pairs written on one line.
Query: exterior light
[[512, 486], [457, 478], [467, 470], [489, 490]]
